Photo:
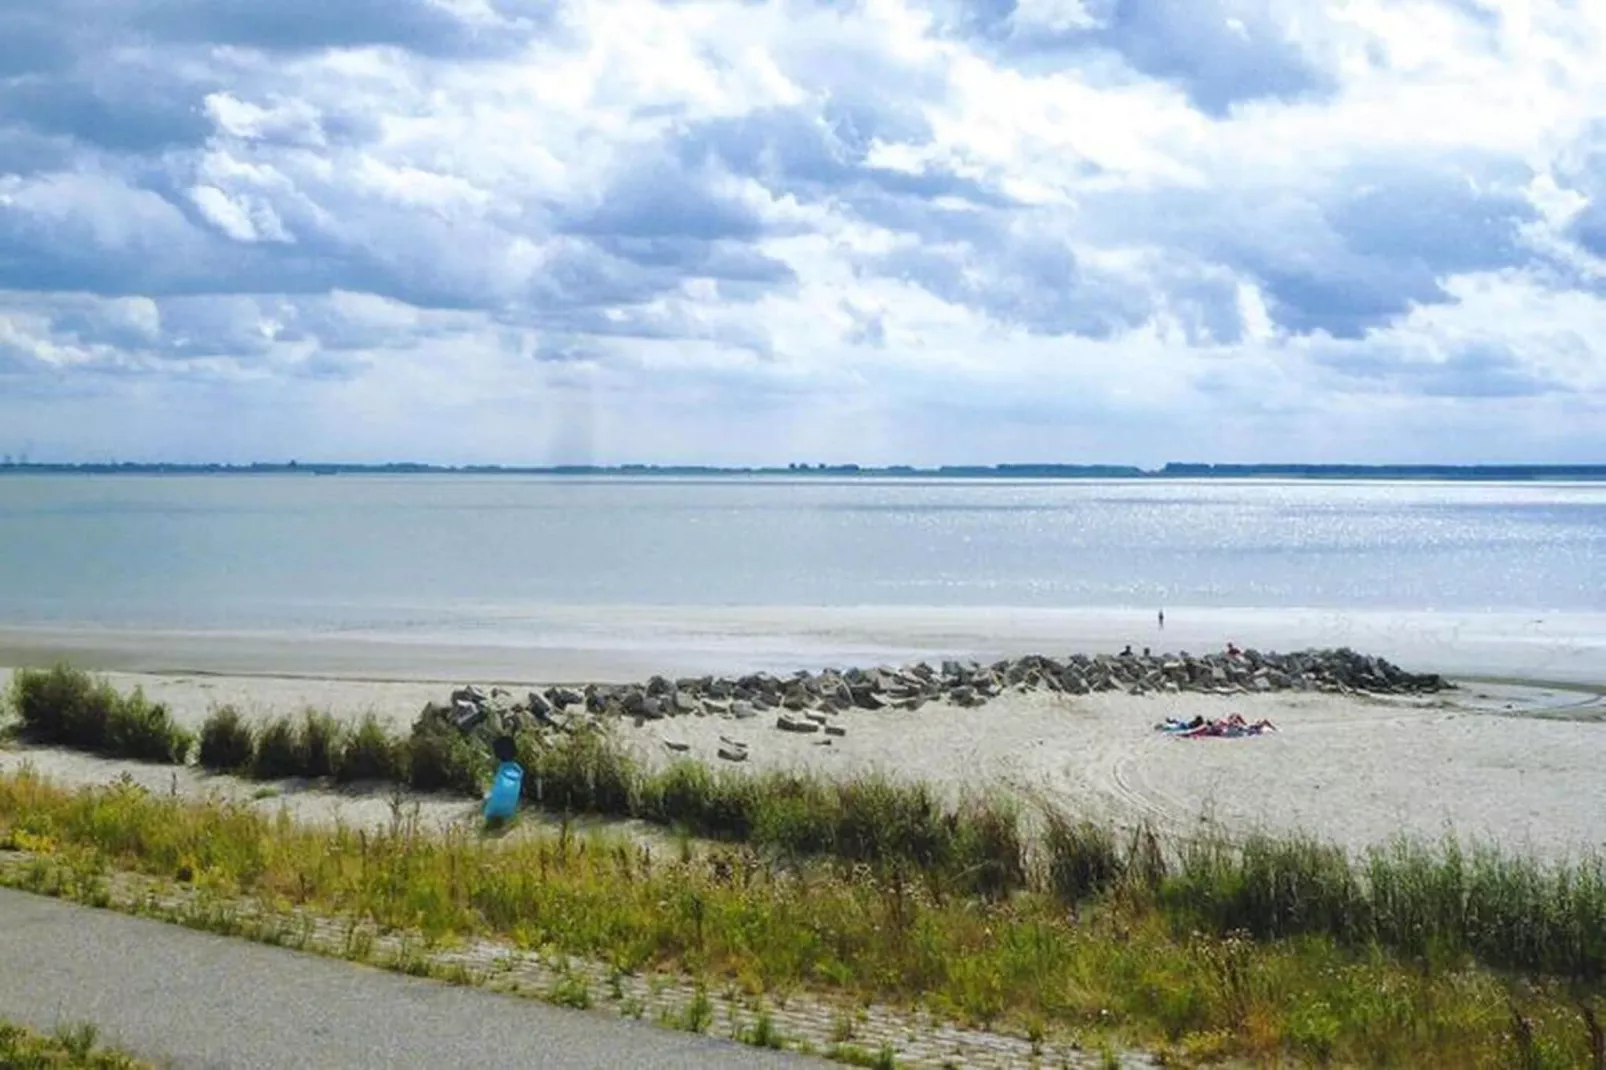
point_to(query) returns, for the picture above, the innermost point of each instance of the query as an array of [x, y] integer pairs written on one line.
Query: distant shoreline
[[1582, 473]]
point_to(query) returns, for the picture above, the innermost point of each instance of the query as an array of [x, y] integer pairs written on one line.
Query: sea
[[777, 568]]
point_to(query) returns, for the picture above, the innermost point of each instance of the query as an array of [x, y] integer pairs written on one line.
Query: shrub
[[63, 705], [370, 754], [319, 744], [1081, 857], [227, 745], [988, 856], [585, 772], [68, 707], [141, 729], [442, 760], [278, 753]]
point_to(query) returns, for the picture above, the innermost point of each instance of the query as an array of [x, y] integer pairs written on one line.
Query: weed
[[442, 760], [762, 1033], [71, 1048], [369, 753], [697, 1015], [571, 990], [66, 707], [884, 1058], [278, 756], [318, 744], [227, 745]]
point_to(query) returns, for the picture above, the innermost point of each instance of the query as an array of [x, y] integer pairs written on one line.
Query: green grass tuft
[[70, 1048], [66, 707], [369, 753], [227, 743]]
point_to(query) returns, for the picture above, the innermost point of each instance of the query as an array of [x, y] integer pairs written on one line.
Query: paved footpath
[[192, 999]]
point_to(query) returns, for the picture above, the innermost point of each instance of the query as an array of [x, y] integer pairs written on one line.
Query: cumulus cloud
[[875, 231]]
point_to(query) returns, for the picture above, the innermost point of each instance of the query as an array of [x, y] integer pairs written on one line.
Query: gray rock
[[467, 714], [868, 700]]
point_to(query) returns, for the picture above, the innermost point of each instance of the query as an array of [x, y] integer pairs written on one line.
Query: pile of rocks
[[807, 702]]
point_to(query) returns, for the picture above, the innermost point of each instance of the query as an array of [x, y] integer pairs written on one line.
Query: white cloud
[[882, 231]]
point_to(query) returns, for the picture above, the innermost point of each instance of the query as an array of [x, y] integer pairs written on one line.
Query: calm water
[[398, 553]]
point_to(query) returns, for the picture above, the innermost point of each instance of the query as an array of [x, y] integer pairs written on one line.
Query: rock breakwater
[[811, 701]]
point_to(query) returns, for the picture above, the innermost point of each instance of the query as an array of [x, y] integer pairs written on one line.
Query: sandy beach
[[1518, 766]]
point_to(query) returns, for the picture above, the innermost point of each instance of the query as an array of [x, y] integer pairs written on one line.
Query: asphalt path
[[191, 999]]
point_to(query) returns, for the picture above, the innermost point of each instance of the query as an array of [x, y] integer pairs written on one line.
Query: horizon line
[[1007, 469]]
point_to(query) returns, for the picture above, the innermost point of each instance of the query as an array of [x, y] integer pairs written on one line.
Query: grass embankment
[[67, 1049], [1223, 921], [1128, 963]]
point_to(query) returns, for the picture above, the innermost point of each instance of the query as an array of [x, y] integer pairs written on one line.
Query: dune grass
[[66, 707], [1121, 967], [226, 744], [69, 1048], [1443, 905]]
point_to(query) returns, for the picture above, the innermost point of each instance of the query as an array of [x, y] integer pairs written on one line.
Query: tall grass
[[1121, 967], [69, 1048], [1440, 904], [226, 742], [974, 847], [66, 707], [369, 753]]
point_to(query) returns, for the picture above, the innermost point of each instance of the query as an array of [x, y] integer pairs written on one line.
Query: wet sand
[[624, 643]]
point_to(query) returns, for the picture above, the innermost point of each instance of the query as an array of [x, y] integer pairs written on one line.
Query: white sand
[[1351, 771], [1348, 771]]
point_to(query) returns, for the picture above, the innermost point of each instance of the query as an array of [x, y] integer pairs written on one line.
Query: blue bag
[[503, 799]]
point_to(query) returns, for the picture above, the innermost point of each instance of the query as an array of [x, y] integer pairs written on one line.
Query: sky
[[815, 231]]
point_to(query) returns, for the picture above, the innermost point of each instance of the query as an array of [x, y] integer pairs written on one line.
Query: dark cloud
[[1025, 279], [26, 152], [1584, 172], [1219, 52], [310, 25], [1589, 228], [32, 41], [119, 109], [1400, 231], [1344, 257], [1477, 370], [94, 234], [659, 223], [807, 156], [664, 201]]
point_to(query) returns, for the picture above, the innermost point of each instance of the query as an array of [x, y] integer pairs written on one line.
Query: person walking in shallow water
[[1161, 616]]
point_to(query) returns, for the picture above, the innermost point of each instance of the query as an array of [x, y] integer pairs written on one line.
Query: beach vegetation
[[277, 754], [438, 759], [70, 1047], [1217, 959], [318, 744], [369, 752], [63, 706], [1441, 904], [226, 742]]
